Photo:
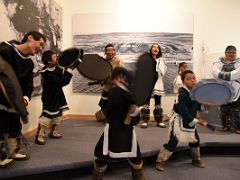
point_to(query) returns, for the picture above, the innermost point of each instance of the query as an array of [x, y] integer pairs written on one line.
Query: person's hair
[[108, 45], [181, 65], [36, 36], [230, 48], [160, 50], [183, 75], [47, 56], [122, 71]]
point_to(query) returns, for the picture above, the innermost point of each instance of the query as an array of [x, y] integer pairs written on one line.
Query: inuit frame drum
[[212, 92], [91, 66]]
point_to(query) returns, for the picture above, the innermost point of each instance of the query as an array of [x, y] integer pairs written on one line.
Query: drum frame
[[211, 102]]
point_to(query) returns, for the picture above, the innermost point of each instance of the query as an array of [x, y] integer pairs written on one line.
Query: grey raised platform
[[75, 151]]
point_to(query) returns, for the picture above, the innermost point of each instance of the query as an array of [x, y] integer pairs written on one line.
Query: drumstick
[[212, 127]]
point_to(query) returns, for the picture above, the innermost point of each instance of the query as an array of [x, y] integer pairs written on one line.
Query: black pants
[[230, 114], [10, 124], [173, 142], [157, 100]]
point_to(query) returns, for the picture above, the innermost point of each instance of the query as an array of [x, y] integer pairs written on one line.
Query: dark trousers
[[10, 124], [157, 100], [173, 142], [230, 114]]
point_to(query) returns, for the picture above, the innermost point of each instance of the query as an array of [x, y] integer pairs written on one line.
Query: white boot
[[4, 160], [40, 135], [13, 149], [5, 163], [54, 132]]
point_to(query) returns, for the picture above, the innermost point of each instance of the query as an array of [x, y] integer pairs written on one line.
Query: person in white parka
[[158, 90]]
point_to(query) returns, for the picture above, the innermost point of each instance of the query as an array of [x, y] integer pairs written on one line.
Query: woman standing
[[158, 91]]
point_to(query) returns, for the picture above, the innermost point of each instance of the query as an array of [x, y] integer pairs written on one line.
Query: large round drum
[[94, 67], [144, 79], [69, 56], [91, 66], [212, 92]]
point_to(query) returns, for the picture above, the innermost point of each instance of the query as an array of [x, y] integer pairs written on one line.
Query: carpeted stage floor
[[72, 157]]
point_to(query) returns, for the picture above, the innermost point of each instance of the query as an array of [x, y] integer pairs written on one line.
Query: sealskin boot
[[196, 161], [98, 172], [163, 156]]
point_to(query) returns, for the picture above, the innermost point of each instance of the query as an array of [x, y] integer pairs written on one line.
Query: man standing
[[115, 61], [228, 69], [18, 56]]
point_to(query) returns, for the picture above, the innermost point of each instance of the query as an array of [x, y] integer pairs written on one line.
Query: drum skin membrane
[[211, 93]]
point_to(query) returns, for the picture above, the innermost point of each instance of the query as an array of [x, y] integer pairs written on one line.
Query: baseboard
[[79, 116], [30, 133]]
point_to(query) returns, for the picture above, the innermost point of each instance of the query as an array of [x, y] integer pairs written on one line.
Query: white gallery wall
[[216, 25]]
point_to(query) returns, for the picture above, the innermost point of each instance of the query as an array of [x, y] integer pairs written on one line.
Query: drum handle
[[95, 83], [75, 63]]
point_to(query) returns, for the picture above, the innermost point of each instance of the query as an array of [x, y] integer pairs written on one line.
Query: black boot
[[136, 170], [145, 116], [98, 172], [225, 118], [235, 118], [157, 112]]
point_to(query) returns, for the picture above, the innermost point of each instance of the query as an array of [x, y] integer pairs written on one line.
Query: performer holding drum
[[228, 69], [17, 55], [58, 73], [53, 98], [115, 61], [160, 69], [119, 137], [183, 124]]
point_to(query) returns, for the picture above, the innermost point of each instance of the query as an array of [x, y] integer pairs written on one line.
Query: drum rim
[[72, 48], [86, 75], [193, 92]]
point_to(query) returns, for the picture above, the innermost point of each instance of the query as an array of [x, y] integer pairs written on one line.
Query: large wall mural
[[20, 16], [177, 45]]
